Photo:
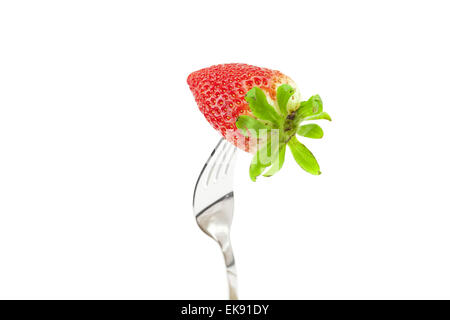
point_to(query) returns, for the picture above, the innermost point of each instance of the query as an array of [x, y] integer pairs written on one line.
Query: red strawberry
[[220, 94], [239, 100]]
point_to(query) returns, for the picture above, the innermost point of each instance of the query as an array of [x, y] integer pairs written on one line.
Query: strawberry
[[259, 110]]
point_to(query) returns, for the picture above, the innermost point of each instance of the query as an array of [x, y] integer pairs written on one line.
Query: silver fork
[[214, 204]]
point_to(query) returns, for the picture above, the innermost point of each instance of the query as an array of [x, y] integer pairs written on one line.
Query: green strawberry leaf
[[278, 162], [284, 92], [311, 107], [248, 124], [256, 168], [311, 130], [304, 157], [260, 108], [263, 158], [319, 116], [266, 119]]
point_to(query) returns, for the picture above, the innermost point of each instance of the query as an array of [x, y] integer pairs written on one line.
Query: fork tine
[[224, 158], [216, 162], [231, 160], [216, 175], [206, 167]]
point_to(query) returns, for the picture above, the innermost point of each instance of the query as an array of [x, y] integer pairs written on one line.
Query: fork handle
[[228, 255], [232, 282]]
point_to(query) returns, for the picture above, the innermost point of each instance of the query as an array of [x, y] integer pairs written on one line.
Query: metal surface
[[214, 204]]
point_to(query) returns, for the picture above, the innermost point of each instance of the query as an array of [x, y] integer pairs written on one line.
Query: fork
[[214, 204]]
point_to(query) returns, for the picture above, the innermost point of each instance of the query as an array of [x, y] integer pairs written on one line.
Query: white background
[[101, 143]]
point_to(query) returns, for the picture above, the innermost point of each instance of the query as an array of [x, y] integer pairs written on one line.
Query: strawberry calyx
[[276, 126]]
